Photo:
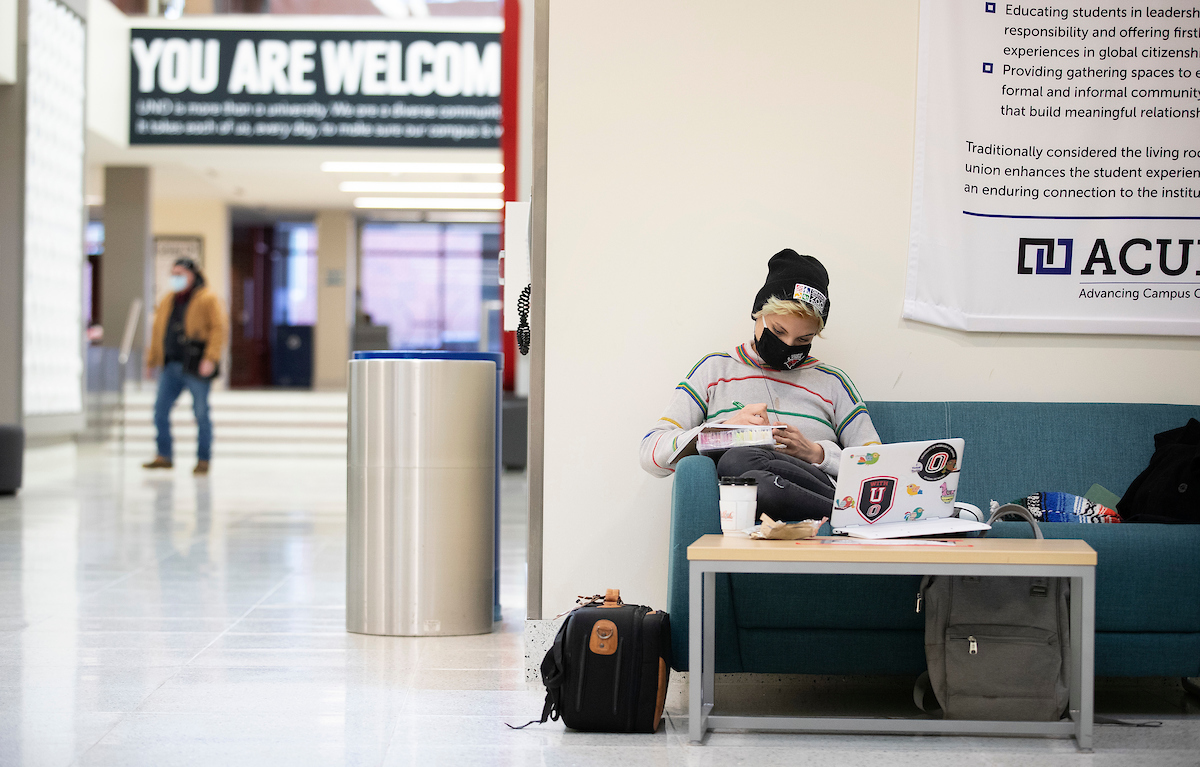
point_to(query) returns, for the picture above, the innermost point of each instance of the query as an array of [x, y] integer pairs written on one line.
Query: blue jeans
[[171, 383]]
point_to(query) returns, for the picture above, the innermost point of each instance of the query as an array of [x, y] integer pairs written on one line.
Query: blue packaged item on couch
[[1065, 507]]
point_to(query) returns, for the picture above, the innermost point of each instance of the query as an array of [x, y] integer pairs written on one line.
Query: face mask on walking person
[[178, 283]]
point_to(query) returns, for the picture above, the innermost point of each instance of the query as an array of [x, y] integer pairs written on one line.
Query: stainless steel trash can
[[421, 493]]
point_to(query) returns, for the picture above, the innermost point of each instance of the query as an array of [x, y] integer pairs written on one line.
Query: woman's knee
[[774, 494], [739, 460]]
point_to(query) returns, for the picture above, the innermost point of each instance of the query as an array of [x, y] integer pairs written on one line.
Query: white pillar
[[12, 215], [337, 247], [127, 266]]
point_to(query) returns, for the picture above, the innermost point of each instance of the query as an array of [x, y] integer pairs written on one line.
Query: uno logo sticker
[[875, 497], [938, 461]]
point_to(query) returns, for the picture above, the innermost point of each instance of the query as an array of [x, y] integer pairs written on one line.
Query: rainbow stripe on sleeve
[[696, 367], [844, 380], [700, 403], [855, 413]]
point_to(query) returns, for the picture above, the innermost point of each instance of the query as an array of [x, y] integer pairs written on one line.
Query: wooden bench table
[[712, 554]]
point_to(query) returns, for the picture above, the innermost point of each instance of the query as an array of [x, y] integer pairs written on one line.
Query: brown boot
[[158, 463], [201, 467]]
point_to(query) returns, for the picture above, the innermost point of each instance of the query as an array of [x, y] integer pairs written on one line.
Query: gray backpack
[[997, 648]]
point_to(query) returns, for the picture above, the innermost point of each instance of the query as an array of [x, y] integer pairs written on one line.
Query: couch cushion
[[695, 512], [1017, 448], [1147, 576], [910, 421], [832, 651], [1147, 654], [827, 601], [829, 651]]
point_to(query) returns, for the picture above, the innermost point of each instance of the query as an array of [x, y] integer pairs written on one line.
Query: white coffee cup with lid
[[739, 503]]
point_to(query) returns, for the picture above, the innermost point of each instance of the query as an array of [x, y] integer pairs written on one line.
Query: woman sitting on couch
[[817, 403]]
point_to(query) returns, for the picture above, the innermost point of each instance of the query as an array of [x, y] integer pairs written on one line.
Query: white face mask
[[178, 282]]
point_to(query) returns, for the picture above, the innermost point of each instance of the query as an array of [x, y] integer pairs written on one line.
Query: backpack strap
[[1123, 722], [553, 676], [921, 690], [1013, 510]]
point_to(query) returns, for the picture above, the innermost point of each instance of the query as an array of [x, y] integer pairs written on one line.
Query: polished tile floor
[[159, 619]]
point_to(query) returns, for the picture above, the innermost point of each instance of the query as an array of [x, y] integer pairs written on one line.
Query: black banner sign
[[341, 88]]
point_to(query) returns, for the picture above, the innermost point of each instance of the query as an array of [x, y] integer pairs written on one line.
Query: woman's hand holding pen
[[749, 415]]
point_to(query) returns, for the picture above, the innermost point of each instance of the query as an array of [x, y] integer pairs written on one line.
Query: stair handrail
[[131, 323]]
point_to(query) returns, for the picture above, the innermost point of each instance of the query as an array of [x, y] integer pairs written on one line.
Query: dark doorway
[[273, 302], [251, 306]]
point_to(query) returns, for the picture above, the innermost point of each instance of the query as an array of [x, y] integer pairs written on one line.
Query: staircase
[[245, 422]]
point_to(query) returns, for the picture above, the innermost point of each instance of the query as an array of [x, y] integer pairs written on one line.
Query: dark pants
[[789, 489], [171, 383]]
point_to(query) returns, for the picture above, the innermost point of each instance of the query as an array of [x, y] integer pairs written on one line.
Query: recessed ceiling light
[[430, 187], [428, 203], [412, 167], [463, 217]]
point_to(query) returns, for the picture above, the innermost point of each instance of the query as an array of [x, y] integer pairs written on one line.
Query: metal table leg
[[695, 653], [709, 663], [1075, 670], [1087, 656]]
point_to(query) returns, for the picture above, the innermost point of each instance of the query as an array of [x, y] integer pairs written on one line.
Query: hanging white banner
[[1056, 186]]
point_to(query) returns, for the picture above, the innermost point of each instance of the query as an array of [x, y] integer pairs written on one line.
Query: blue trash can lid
[[495, 357]]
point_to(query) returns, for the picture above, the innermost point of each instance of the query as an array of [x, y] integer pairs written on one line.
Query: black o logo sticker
[[937, 462]]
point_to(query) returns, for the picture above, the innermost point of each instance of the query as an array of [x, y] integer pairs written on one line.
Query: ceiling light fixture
[[429, 187], [463, 217], [428, 203], [412, 167]]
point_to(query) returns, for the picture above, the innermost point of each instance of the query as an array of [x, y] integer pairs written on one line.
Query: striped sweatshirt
[[816, 398]]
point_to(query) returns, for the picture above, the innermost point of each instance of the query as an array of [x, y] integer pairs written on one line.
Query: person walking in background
[[189, 334]]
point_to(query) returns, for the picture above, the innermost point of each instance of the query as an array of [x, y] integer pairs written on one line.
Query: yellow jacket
[[204, 321]]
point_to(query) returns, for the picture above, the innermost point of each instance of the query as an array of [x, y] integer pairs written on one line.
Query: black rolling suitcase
[[608, 668]]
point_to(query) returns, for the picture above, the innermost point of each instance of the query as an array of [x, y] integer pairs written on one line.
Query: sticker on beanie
[[811, 296]]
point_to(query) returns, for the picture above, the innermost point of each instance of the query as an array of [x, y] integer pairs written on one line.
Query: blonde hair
[[792, 308]]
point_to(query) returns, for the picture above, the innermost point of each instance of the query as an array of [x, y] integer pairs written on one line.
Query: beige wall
[[689, 142], [337, 258], [207, 219], [127, 266]]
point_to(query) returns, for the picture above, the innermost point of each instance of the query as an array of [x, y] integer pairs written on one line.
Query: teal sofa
[[1147, 577]]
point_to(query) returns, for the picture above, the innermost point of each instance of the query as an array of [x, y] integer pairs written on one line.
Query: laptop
[[900, 490]]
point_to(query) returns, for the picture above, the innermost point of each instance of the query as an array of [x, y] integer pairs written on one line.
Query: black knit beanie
[[793, 277]]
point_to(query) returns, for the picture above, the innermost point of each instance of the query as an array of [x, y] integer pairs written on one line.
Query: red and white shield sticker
[[875, 497]]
